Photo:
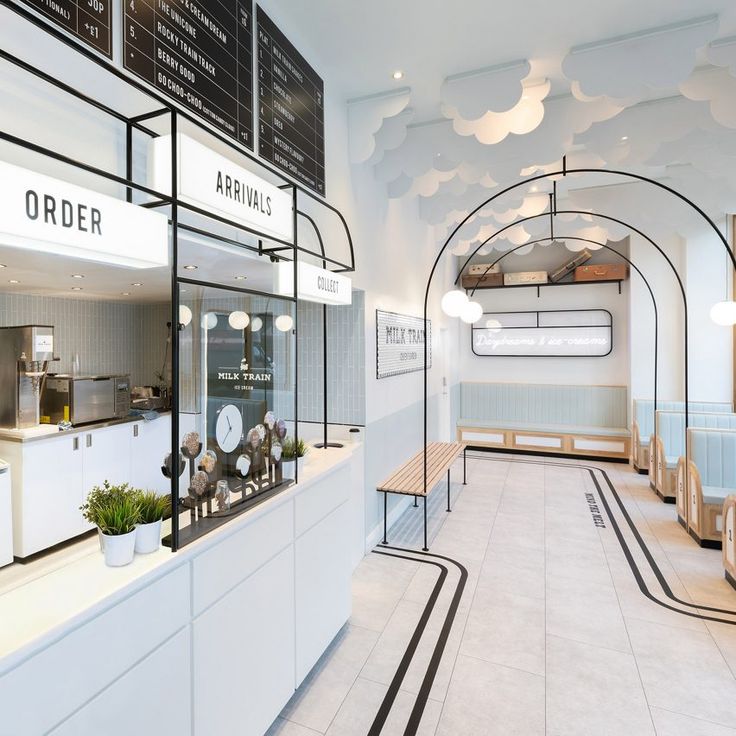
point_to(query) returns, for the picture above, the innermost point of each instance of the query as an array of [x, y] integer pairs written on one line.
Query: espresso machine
[[25, 353]]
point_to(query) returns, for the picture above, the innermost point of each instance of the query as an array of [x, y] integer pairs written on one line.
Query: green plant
[[152, 506], [102, 497], [288, 447], [119, 516]]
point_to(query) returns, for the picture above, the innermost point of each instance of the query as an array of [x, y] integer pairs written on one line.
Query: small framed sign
[[400, 342]]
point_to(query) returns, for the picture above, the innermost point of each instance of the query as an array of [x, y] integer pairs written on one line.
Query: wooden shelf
[[544, 286]]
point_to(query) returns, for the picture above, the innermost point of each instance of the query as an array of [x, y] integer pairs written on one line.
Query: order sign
[[400, 344]]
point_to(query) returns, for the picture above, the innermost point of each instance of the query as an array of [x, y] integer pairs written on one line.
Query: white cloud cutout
[[366, 117], [632, 66], [722, 52], [716, 87]]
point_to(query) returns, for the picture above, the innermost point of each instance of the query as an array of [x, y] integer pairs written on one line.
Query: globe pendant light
[[724, 313], [238, 320], [185, 315], [453, 302], [209, 321], [284, 322], [472, 312]]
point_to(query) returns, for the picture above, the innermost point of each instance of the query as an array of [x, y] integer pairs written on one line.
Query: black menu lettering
[[199, 53], [88, 20], [291, 132]]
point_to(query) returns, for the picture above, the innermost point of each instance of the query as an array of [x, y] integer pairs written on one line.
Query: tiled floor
[[552, 635]]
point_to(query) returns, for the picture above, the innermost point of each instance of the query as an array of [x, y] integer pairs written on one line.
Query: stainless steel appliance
[[85, 399], [25, 353]]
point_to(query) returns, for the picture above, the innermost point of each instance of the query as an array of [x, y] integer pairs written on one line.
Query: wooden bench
[[408, 480]]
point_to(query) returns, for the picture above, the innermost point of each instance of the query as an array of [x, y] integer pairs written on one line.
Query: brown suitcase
[[570, 265], [602, 272], [478, 282]]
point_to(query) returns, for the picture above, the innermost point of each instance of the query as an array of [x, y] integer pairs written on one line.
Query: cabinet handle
[[89, 440], [75, 443]]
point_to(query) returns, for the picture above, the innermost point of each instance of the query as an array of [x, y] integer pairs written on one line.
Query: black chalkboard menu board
[[88, 20], [198, 53], [291, 116]]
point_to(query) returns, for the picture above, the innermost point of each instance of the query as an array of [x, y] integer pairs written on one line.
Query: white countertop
[[42, 600]]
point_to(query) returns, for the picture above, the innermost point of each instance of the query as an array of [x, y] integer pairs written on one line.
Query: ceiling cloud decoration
[[716, 87], [629, 67], [722, 52], [367, 117]]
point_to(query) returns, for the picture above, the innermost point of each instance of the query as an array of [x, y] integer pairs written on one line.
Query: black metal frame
[[538, 327], [163, 107]]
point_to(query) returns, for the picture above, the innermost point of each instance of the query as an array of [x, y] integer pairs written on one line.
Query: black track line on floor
[[624, 546], [393, 689], [420, 703]]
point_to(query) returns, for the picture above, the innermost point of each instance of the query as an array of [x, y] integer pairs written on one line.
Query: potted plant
[[101, 497], [153, 509], [117, 521], [292, 454]]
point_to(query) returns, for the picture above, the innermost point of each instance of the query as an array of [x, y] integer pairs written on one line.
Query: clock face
[[229, 428]]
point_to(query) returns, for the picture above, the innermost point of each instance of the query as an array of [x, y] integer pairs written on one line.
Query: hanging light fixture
[[453, 302], [185, 315], [284, 322], [238, 320], [471, 313], [493, 325], [209, 321], [724, 313], [256, 324]]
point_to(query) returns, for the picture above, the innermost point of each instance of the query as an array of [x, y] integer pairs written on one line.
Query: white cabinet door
[[150, 442], [106, 456], [52, 494]]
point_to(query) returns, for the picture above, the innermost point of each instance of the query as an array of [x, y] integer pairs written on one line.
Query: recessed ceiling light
[[2, 265], [77, 275], [624, 137], [13, 281], [137, 283], [76, 288], [191, 268], [241, 278], [125, 293], [398, 74]]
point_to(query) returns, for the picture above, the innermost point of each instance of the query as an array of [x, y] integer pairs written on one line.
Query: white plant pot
[[119, 548], [287, 468], [148, 537]]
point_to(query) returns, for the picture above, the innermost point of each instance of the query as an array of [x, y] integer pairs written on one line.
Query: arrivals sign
[[400, 344], [38, 212], [314, 284], [563, 334], [214, 183]]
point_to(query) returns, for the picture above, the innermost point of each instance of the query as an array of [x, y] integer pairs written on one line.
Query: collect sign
[[38, 212], [88, 20], [291, 114], [314, 284], [574, 333], [215, 183], [400, 344], [199, 54]]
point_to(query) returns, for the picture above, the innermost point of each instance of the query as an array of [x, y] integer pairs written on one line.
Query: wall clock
[[229, 428]]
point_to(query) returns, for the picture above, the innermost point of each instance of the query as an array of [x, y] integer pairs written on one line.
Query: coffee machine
[[25, 353]]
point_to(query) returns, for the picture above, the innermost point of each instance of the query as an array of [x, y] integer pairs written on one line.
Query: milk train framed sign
[[400, 344], [576, 333]]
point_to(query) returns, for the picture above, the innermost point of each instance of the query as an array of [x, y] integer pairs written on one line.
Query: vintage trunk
[[479, 282], [525, 277], [602, 272], [570, 265]]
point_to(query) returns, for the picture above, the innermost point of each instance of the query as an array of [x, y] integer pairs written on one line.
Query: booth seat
[[728, 539], [669, 446], [642, 424], [569, 420], [710, 481]]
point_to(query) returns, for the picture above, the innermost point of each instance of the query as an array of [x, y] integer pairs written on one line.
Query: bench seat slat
[[409, 478]]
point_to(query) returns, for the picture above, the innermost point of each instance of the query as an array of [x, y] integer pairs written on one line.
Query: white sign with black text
[[49, 215], [216, 184], [583, 333], [314, 284], [400, 344]]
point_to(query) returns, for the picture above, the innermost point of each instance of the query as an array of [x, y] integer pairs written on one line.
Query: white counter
[[226, 628]]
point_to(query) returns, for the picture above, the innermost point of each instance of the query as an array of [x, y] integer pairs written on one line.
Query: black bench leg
[[385, 516], [465, 466], [416, 505], [425, 548], [448, 491]]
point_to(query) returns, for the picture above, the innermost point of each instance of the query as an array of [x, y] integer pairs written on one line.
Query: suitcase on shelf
[[482, 282], [523, 278], [479, 269], [570, 265], [602, 272]]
